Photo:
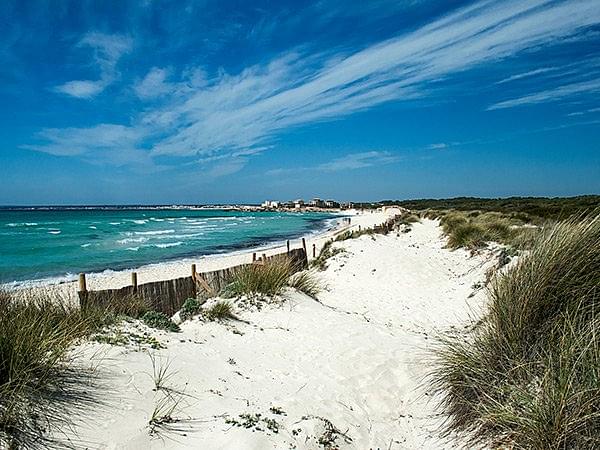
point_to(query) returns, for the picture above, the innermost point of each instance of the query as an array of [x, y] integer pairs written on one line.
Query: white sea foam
[[132, 240], [92, 227], [133, 249], [140, 222], [152, 233], [170, 244], [85, 245], [115, 223], [54, 231]]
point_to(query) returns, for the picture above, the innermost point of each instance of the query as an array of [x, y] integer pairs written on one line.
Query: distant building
[[317, 202], [331, 204], [299, 203], [270, 204]]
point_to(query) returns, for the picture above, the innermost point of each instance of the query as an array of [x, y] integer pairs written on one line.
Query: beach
[[166, 270], [347, 369]]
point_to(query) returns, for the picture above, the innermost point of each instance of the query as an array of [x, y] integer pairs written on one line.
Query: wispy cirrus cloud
[[551, 95], [351, 161], [529, 73], [107, 50], [235, 112]]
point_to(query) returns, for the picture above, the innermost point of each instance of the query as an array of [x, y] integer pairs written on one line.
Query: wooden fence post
[[304, 247], [82, 283], [134, 281], [264, 257], [314, 250], [288, 246], [254, 257]]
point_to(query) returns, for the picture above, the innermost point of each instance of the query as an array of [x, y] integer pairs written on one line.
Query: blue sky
[[237, 101]]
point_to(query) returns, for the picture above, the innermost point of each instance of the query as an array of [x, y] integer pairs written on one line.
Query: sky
[[159, 102]]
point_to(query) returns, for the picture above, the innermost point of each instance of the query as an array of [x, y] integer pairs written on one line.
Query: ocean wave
[[93, 227], [54, 231], [85, 245], [114, 223], [156, 220], [170, 244], [132, 240], [140, 222], [22, 224], [133, 249], [152, 233]]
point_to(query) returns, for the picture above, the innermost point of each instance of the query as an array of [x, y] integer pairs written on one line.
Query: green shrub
[[160, 321], [220, 310], [189, 309], [528, 376]]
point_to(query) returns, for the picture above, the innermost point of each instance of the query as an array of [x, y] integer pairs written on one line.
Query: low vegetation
[[190, 308], [220, 310], [327, 251], [270, 279], [36, 382], [533, 208], [528, 375], [160, 321], [474, 229]]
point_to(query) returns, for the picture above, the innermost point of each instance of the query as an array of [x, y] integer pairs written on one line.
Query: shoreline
[[180, 267]]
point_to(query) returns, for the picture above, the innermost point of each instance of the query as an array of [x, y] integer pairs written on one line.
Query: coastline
[[353, 361], [176, 268]]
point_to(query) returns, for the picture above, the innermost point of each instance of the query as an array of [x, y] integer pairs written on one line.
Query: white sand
[[358, 359]]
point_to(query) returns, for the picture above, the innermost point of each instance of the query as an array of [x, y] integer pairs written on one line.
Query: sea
[[55, 244]]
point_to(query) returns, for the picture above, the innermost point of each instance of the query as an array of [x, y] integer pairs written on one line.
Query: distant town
[[299, 204]]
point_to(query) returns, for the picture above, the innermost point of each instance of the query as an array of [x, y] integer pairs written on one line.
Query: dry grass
[[528, 377]]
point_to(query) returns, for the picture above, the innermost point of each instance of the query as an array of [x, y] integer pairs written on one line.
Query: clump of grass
[[190, 308], [36, 334], [306, 282], [528, 376], [465, 229], [220, 310], [160, 321], [267, 279]]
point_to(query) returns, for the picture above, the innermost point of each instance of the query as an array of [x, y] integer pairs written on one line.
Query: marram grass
[[528, 376]]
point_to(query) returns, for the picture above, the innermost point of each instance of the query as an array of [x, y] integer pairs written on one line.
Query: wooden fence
[[168, 296]]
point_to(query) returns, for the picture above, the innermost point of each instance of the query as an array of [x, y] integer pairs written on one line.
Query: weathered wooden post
[[264, 257], [82, 283], [359, 228], [254, 257], [194, 279], [314, 250], [134, 281], [288, 246], [304, 247]]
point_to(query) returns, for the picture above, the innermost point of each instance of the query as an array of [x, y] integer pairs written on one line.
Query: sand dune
[[347, 369]]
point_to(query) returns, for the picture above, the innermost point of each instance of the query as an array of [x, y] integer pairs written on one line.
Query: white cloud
[[361, 160], [351, 161], [551, 95], [527, 74], [216, 116], [154, 84], [107, 50]]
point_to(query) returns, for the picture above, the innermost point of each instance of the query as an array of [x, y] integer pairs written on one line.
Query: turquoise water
[[37, 244]]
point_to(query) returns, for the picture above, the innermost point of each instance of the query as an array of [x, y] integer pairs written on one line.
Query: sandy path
[[356, 358]]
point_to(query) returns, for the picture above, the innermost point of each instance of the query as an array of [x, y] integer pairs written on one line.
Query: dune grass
[[528, 376], [220, 310], [270, 279], [36, 334], [39, 386], [475, 229]]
